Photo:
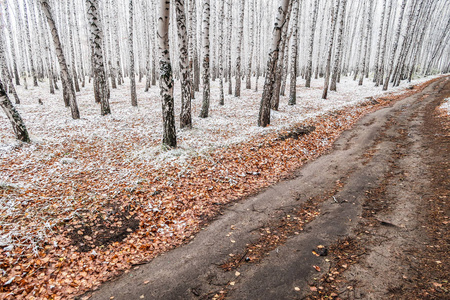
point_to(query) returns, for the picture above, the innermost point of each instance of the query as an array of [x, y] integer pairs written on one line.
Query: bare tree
[[166, 78], [131, 49], [334, 15], [96, 41], [205, 34], [294, 49], [220, 56], [311, 44], [186, 86], [252, 44], [337, 59], [264, 108], [28, 36], [68, 90], [394, 46], [237, 88], [13, 115]]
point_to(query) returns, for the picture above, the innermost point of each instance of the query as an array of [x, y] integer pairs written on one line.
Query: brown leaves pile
[[107, 231]]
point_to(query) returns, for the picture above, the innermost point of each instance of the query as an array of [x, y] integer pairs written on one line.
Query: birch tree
[[11, 43], [394, 46], [252, 44], [220, 56], [237, 89], [334, 15], [294, 48], [311, 44], [96, 41], [366, 42], [67, 83], [19, 128], [186, 86], [131, 49], [28, 39], [166, 78], [264, 108], [337, 59], [205, 53]]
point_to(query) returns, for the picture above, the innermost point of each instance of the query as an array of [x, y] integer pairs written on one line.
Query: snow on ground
[[446, 106], [110, 149]]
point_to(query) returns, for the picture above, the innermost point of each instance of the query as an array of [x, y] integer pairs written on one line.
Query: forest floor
[[367, 220], [91, 199]]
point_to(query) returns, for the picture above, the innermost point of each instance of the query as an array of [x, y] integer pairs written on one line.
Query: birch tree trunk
[[380, 72], [220, 56], [237, 89], [337, 59], [248, 84], [131, 49], [311, 44], [294, 49], [394, 47], [275, 101], [186, 86], [230, 28], [96, 42], [366, 42], [68, 91], [28, 38], [205, 34], [334, 15], [13, 115], [11, 43], [380, 36], [196, 66], [3, 66], [166, 78], [264, 108], [72, 47]]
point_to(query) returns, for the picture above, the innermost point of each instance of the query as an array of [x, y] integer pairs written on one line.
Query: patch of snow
[[446, 106]]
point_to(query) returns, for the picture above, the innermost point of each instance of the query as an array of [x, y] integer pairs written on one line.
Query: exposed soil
[[101, 229], [369, 220]]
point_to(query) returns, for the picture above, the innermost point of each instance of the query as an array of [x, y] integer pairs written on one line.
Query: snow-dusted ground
[[108, 152], [232, 123], [446, 106]]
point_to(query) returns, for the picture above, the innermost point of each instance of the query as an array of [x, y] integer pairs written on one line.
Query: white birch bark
[[11, 43], [205, 53], [394, 47], [19, 128], [166, 77], [334, 15], [186, 86], [68, 90], [264, 108], [294, 53], [366, 43], [252, 44], [240, 37], [338, 54], [131, 49], [28, 39], [311, 44], [96, 41], [220, 54]]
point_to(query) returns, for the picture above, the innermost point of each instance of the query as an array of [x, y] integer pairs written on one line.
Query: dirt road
[[376, 202]]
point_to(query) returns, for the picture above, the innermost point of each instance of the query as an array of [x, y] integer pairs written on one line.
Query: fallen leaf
[[232, 283], [297, 288], [146, 282], [237, 273], [313, 289], [317, 268]]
